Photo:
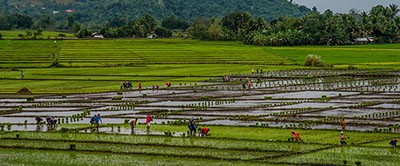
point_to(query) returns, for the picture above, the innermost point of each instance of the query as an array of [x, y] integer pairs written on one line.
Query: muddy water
[[228, 122], [345, 112], [314, 105], [247, 102], [65, 114], [393, 106]]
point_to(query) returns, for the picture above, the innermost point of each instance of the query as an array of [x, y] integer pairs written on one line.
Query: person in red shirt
[[203, 131], [296, 136], [140, 87], [148, 120], [168, 84]]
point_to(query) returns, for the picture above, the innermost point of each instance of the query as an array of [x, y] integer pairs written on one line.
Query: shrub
[[267, 97], [314, 61], [119, 93], [205, 98], [64, 130], [351, 67], [72, 147], [24, 90], [30, 99]]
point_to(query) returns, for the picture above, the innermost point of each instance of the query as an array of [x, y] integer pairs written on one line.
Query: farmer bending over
[[393, 142], [296, 136], [203, 131], [342, 139]]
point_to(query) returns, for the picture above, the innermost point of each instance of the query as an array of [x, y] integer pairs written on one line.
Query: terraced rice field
[[249, 126]]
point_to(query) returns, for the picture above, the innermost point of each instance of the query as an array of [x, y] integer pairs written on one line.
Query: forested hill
[[99, 11]]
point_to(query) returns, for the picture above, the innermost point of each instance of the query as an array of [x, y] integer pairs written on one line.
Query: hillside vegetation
[[99, 11]]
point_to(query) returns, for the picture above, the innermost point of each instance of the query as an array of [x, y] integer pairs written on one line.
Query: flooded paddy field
[[311, 99]]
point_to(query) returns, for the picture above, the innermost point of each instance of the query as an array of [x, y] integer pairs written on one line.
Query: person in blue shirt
[[97, 121]]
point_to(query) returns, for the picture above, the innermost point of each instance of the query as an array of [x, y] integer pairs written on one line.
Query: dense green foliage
[[97, 12], [381, 23]]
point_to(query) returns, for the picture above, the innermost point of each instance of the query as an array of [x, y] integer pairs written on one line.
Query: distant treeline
[[381, 24]]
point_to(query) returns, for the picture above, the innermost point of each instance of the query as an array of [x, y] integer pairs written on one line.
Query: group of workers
[[129, 85], [342, 139], [192, 127], [202, 131], [295, 136]]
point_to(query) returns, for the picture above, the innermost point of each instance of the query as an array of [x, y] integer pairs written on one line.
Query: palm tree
[[393, 10]]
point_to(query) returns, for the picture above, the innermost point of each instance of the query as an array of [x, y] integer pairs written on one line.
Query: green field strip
[[11, 156], [192, 152], [248, 149], [219, 143], [336, 156]]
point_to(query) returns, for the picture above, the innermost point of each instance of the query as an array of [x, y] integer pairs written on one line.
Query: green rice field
[[267, 94], [99, 65], [247, 146]]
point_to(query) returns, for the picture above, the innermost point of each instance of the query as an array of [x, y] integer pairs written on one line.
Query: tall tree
[[237, 22]]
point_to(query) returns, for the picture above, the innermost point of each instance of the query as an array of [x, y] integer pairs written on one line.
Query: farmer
[[53, 121], [192, 127], [22, 74], [343, 123], [148, 120], [393, 142], [296, 136], [130, 84], [243, 85], [121, 85], [249, 84], [97, 121], [92, 120], [342, 139], [38, 120], [203, 131], [48, 120], [140, 87], [132, 123]]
